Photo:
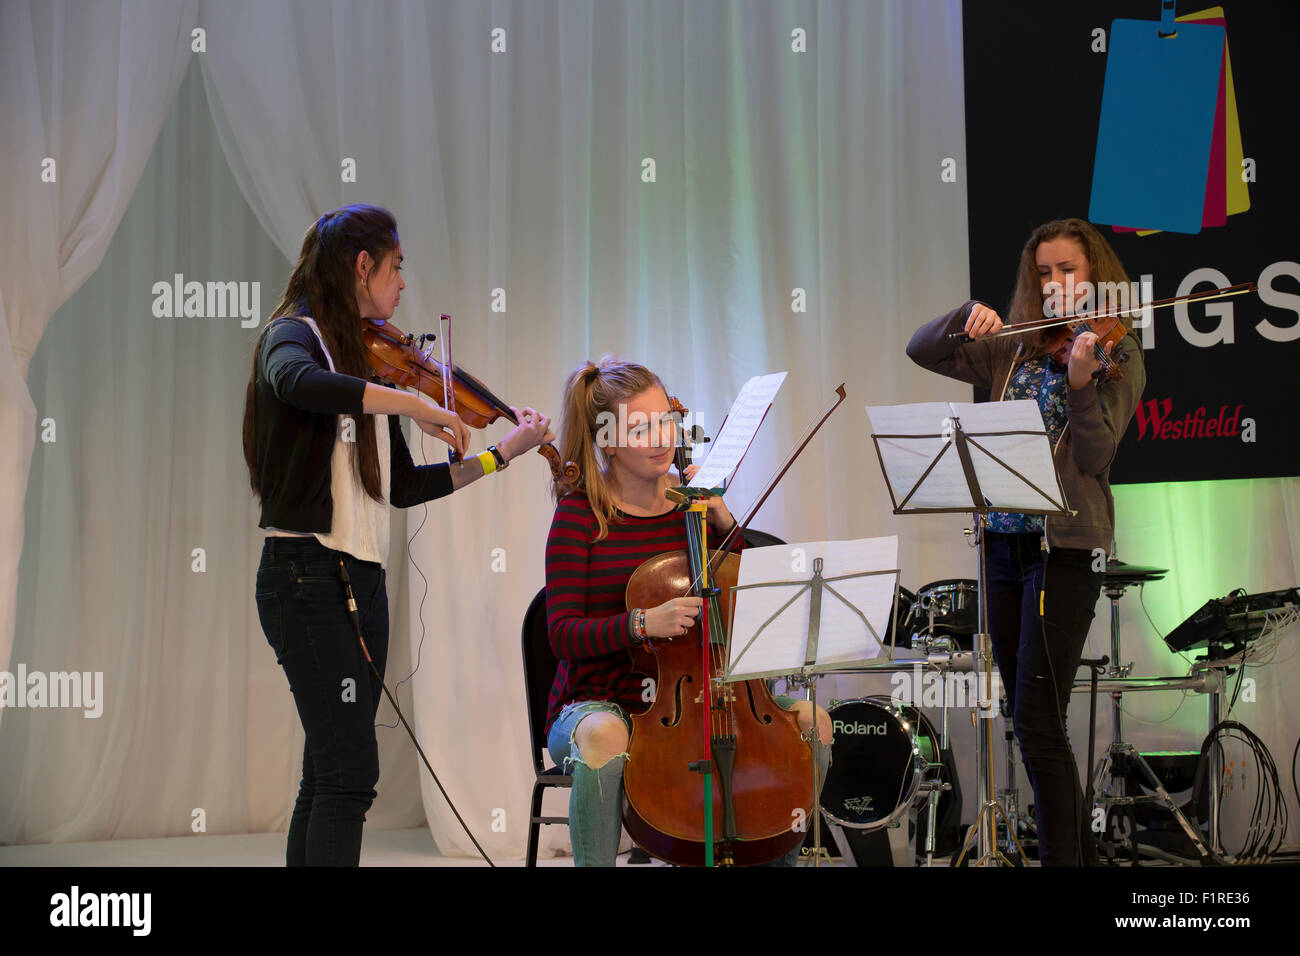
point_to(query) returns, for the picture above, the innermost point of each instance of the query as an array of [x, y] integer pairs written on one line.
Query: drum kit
[[888, 758]]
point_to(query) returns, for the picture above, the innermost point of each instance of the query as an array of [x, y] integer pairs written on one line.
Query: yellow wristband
[[488, 462]]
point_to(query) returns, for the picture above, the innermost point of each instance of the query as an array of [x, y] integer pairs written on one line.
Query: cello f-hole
[[753, 705], [670, 720]]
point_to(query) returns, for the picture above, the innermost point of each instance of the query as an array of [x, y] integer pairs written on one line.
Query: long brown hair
[[1027, 300], [591, 391], [322, 286]]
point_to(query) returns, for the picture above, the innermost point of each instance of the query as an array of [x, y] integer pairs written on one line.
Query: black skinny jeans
[[1037, 656], [301, 604]]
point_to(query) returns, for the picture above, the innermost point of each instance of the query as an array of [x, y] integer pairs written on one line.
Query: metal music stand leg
[[817, 774], [985, 825], [810, 681]]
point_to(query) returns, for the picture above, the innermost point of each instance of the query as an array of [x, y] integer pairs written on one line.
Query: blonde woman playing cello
[[604, 528]]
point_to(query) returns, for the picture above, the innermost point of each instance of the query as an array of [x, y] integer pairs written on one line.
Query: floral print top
[[1043, 380]]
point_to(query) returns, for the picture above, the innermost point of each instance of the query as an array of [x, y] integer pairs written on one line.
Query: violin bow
[[1035, 324], [448, 386]]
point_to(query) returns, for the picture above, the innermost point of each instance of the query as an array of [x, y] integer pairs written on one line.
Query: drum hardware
[[1121, 758], [932, 798], [946, 654], [955, 662], [1009, 796], [847, 806], [948, 609], [952, 605]]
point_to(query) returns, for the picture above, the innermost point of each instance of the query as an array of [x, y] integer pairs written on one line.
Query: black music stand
[[800, 642], [971, 458]]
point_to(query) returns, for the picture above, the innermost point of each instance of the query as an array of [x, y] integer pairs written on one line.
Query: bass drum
[[877, 762]]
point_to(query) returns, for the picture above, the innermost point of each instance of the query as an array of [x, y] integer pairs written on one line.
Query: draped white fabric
[[146, 467], [521, 171], [84, 88], [518, 179]]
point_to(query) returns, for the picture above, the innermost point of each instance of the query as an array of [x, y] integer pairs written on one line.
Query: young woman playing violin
[[613, 518], [326, 456], [1044, 573]]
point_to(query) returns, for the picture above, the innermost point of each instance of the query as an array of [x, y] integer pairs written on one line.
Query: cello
[[763, 761]]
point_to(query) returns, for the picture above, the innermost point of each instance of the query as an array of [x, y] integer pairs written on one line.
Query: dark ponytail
[[322, 286]]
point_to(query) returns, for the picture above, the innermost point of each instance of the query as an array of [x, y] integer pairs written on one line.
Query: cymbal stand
[[1122, 757]]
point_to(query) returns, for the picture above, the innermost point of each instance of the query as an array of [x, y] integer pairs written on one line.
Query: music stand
[[805, 627], [971, 458]]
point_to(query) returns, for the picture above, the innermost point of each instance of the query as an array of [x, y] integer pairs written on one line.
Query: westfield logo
[[1156, 420]]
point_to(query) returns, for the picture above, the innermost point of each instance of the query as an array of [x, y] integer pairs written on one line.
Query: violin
[[401, 359], [758, 763], [1106, 325], [1109, 331]]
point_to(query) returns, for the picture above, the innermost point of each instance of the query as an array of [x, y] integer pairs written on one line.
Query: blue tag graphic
[[1157, 123]]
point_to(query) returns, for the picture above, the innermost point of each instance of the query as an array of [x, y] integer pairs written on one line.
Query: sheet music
[[1031, 455], [737, 432], [907, 458], [842, 638]]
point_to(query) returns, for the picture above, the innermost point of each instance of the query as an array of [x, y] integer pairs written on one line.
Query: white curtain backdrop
[[85, 85], [521, 171], [777, 175]]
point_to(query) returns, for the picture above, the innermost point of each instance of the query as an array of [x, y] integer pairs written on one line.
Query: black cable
[[419, 647], [1269, 816], [1236, 691], [1269, 811], [419, 653], [356, 623], [1294, 785]]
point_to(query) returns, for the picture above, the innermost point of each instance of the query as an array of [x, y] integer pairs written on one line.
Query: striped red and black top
[[587, 617]]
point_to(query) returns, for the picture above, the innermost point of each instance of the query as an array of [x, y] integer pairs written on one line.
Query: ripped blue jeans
[[596, 799]]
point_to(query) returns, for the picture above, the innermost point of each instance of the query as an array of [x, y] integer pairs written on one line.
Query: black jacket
[[297, 401]]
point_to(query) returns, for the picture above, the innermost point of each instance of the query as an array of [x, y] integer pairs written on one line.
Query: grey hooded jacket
[[1096, 419]]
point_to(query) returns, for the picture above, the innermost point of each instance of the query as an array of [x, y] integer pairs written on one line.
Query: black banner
[[1055, 129]]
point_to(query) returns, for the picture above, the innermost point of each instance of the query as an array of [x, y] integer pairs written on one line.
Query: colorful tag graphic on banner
[[1226, 192], [1157, 126]]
